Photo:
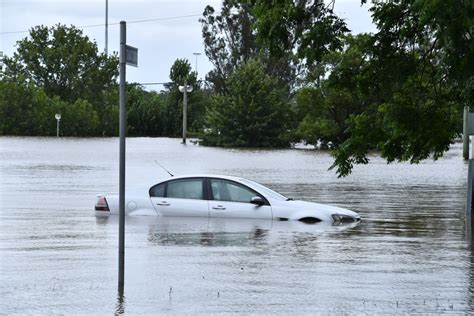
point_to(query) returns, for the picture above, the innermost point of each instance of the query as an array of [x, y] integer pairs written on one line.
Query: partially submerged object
[[221, 197]]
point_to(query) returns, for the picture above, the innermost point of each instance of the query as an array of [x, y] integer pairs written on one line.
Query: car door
[[231, 199], [180, 197]]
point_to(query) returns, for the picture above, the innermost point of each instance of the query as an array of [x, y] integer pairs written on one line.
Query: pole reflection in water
[[120, 305], [470, 241]]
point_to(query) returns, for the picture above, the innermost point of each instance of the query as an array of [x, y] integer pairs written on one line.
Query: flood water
[[411, 253]]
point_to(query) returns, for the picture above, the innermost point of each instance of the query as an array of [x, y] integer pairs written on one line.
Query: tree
[[302, 31], [145, 112], [26, 110], [180, 73], [229, 40], [17, 102], [422, 74], [255, 113], [325, 106], [65, 63]]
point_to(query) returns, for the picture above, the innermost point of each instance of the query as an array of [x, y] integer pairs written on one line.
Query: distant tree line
[[284, 72], [59, 70]]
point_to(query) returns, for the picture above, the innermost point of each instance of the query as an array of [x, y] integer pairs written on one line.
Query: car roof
[[202, 175]]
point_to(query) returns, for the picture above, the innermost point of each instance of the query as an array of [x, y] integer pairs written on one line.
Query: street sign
[[131, 56]]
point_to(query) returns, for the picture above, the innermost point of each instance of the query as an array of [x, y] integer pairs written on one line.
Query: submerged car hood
[[324, 207], [319, 210]]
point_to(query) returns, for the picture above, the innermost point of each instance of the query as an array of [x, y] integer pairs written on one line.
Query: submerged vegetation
[[282, 73]]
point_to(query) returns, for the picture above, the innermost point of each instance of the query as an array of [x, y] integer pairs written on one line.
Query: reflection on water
[[120, 306], [219, 232], [411, 253]]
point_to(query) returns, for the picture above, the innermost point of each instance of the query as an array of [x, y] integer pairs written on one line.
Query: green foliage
[[17, 102], [64, 63], [307, 27], [229, 40], [77, 119], [324, 108], [420, 76], [255, 113], [27, 111], [232, 37], [145, 112], [180, 73]]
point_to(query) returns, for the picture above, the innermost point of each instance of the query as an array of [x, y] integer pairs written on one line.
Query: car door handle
[[219, 207], [164, 203]]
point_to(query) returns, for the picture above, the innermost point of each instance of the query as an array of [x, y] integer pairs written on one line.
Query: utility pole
[[104, 127], [106, 27], [196, 64], [1, 61]]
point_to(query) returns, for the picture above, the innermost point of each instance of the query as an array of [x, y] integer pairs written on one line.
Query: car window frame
[[211, 196], [152, 189]]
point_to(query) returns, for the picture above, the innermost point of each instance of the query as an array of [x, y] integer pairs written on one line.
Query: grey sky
[[159, 43]]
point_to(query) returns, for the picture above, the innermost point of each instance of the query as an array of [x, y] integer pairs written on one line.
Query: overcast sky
[[159, 42]]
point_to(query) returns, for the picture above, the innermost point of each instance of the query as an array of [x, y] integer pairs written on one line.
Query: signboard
[[131, 56]]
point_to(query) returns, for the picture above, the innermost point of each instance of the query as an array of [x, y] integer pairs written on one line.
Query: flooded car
[[218, 196]]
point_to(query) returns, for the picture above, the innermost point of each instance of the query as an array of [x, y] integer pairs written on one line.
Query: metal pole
[[104, 126], [196, 65], [470, 189], [472, 145], [123, 40], [106, 27], [57, 128], [185, 111], [465, 134]]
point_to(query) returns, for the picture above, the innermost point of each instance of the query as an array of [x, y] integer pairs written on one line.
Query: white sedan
[[221, 196]]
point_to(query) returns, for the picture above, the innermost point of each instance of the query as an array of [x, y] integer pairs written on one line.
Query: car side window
[[185, 189], [223, 190], [158, 190]]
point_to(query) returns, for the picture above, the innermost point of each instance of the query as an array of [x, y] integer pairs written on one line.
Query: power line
[[117, 23], [158, 83], [152, 83]]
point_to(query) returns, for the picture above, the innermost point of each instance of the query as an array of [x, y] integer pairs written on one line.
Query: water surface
[[411, 253]]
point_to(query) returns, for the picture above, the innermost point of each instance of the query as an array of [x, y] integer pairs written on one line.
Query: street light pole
[[58, 118], [185, 89], [185, 112]]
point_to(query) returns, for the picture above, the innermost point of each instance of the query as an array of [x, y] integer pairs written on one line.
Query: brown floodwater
[[411, 253]]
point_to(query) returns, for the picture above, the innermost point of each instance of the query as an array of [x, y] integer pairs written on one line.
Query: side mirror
[[257, 201]]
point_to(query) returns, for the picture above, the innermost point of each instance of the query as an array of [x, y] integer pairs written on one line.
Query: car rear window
[[158, 190], [185, 189]]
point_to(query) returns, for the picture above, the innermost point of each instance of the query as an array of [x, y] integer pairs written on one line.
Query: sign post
[[123, 39], [129, 59], [468, 130]]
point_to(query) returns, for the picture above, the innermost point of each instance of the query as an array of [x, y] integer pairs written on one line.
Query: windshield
[[263, 189]]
